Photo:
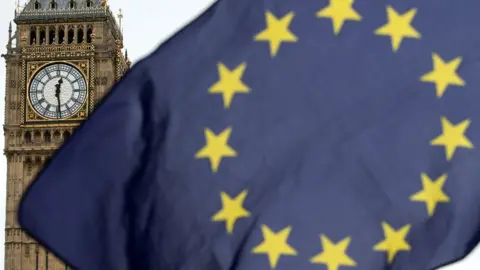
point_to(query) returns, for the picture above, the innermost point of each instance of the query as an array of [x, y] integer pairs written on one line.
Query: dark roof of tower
[[62, 10]]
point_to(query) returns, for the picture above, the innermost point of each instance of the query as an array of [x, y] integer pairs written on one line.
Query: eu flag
[[279, 134]]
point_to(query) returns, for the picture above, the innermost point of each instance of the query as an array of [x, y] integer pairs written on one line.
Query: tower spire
[[104, 4], [120, 18], [9, 43], [17, 7]]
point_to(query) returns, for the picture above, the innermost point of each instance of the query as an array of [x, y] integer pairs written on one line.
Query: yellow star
[[232, 209], [398, 27], [333, 255], [216, 148], [277, 31], [275, 245], [453, 136], [394, 241], [443, 74], [230, 83], [431, 193], [339, 11]]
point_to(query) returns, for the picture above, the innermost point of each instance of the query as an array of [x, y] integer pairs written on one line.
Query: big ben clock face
[[57, 91]]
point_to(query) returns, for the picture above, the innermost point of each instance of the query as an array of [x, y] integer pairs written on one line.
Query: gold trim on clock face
[[57, 91]]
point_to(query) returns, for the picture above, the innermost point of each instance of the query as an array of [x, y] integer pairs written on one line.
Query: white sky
[[168, 16]]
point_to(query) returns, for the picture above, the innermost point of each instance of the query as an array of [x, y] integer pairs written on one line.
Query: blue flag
[[279, 134]]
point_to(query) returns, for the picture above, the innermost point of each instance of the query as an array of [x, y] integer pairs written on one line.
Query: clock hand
[[57, 95]]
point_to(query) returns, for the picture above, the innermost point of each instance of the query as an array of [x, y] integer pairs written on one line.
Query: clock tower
[[61, 59]]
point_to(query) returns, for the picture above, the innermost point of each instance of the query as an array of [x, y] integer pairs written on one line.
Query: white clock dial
[[57, 91]]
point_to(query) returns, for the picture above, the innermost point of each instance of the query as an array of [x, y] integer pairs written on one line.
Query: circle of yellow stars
[[398, 27]]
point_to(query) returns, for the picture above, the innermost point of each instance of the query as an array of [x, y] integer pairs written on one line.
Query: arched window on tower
[[56, 136], [80, 34], [33, 36], [89, 3], [89, 33], [51, 35], [71, 34], [43, 35], [47, 136], [37, 5], [66, 135], [61, 35], [28, 165], [46, 259], [53, 4], [47, 160], [72, 4], [37, 137], [38, 161], [36, 255], [27, 137]]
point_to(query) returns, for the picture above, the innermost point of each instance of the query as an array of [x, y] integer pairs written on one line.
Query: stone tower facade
[[61, 59]]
